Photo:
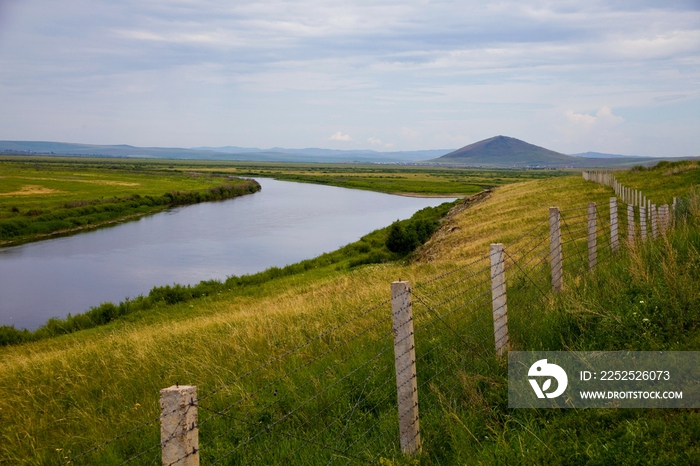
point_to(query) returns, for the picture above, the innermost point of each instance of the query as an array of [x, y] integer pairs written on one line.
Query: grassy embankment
[[60, 392], [664, 181], [40, 198]]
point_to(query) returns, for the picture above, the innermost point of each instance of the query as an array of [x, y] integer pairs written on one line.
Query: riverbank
[[388, 244], [42, 200]]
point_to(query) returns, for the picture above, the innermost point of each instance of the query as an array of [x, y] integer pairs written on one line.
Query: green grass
[[418, 180], [39, 198], [664, 181], [647, 299], [66, 394]]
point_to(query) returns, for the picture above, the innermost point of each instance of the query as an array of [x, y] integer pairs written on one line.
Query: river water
[[282, 224]]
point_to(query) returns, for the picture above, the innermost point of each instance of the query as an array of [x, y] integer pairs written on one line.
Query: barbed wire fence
[[377, 384]]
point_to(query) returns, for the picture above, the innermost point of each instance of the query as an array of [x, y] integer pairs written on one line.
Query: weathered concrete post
[[592, 236], [643, 223], [665, 218], [630, 225], [654, 222], [614, 242], [556, 257], [405, 365], [661, 219], [498, 299], [179, 430]]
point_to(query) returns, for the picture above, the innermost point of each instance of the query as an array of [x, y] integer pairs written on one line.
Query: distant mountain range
[[499, 151], [232, 153], [600, 155], [404, 156]]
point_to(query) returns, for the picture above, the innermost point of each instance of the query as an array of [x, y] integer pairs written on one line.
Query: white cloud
[[603, 118], [340, 137], [378, 142], [602, 132]]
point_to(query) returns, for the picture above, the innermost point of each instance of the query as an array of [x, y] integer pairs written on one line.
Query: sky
[[611, 76]]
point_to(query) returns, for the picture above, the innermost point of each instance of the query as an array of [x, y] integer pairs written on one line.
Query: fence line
[[345, 396]]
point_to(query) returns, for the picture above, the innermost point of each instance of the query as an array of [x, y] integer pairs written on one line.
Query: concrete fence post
[[179, 430], [630, 225], [666, 218], [498, 299], [556, 257], [405, 365], [614, 241], [643, 223], [592, 236], [654, 222]]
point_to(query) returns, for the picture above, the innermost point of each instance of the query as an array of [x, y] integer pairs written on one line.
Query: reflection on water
[[282, 224]]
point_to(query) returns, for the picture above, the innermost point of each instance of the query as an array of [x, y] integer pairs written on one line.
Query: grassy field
[[664, 181], [39, 197], [411, 180], [63, 395]]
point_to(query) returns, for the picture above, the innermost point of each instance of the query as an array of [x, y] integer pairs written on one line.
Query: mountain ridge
[[230, 153], [495, 152]]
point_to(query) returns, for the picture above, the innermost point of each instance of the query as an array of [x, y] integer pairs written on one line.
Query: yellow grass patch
[[681, 169], [30, 190], [110, 182], [506, 214], [101, 182]]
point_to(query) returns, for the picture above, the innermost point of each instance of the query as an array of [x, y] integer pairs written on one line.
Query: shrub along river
[[282, 224]]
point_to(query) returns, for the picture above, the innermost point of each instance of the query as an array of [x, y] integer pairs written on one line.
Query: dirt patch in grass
[[30, 190]]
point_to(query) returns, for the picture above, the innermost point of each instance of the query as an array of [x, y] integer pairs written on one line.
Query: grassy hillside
[[64, 395], [664, 181]]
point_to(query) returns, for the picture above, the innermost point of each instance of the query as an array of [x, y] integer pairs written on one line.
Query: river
[[282, 224]]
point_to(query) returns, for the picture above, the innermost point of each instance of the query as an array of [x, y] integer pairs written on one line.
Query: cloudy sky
[[573, 76]]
